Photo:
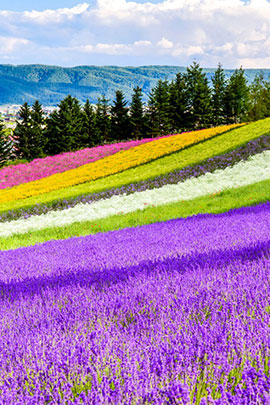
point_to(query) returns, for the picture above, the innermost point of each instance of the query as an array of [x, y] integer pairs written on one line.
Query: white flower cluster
[[253, 170]]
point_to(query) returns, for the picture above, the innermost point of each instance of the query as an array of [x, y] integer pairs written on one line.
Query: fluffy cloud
[[123, 32]]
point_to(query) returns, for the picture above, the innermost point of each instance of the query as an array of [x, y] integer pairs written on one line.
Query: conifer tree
[[88, 136], [199, 97], [102, 121], [64, 127], [158, 119], [236, 97], [5, 145], [37, 142], [178, 103], [120, 123], [137, 118], [218, 96], [23, 134]]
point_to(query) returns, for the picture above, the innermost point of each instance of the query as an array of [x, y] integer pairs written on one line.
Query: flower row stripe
[[253, 170], [191, 156], [44, 167], [112, 164], [210, 165]]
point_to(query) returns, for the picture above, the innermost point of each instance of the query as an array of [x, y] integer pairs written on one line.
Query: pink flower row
[[22, 173]]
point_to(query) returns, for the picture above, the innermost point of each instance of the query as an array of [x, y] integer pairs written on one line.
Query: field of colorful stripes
[[138, 273]]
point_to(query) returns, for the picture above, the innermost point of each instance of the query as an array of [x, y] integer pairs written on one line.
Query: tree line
[[187, 102]]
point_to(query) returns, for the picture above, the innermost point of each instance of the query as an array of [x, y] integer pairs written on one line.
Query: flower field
[[147, 285], [37, 169]]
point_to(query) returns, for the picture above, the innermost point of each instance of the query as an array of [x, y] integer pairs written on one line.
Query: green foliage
[[88, 136], [218, 96], [199, 97], [120, 122], [63, 127], [236, 97], [23, 134], [103, 122], [5, 145], [259, 98], [137, 117], [158, 109], [178, 103]]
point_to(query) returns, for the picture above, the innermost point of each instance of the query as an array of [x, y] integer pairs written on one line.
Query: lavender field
[[173, 312], [166, 313]]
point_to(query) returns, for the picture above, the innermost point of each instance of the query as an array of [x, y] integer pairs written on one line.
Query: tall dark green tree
[[102, 120], [199, 97], [236, 97], [38, 142], [158, 113], [5, 145], [64, 127], [178, 103], [88, 136], [120, 122], [218, 96], [23, 133], [137, 118]]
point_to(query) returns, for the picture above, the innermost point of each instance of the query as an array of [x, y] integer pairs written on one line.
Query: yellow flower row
[[112, 164]]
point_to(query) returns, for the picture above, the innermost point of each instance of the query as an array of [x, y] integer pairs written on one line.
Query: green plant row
[[195, 154], [211, 204]]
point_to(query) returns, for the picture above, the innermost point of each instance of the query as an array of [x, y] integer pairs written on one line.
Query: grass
[[195, 154], [211, 204]]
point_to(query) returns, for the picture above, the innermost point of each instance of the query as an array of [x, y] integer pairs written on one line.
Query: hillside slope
[[50, 84]]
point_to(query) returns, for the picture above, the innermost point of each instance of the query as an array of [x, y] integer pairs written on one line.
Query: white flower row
[[255, 169]]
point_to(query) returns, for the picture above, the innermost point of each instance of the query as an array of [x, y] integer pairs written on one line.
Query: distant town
[[10, 113]]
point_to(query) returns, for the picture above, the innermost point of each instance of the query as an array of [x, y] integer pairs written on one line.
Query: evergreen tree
[[64, 127], [236, 97], [218, 96], [88, 136], [102, 120], [5, 145], [37, 142], [23, 134], [259, 98], [137, 119], [199, 97], [178, 103], [158, 119], [120, 124]]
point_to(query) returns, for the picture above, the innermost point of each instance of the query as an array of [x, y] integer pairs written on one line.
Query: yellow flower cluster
[[112, 164]]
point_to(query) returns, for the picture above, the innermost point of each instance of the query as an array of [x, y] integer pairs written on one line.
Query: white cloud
[[165, 43], [233, 32], [10, 44]]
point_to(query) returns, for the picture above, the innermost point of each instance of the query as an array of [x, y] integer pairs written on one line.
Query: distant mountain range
[[50, 84]]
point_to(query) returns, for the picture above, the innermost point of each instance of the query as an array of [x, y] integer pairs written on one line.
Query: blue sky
[[138, 32], [23, 5]]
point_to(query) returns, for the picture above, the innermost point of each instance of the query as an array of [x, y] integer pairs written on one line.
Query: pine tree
[[120, 123], [88, 136], [137, 118], [5, 145], [218, 96], [199, 97], [236, 97], [23, 134], [178, 103], [64, 127], [158, 119], [38, 142], [102, 121]]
